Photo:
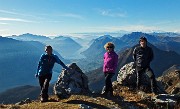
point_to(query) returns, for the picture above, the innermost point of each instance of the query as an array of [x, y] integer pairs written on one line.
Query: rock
[[72, 81], [166, 101], [127, 77], [175, 90], [26, 101], [171, 80], [83, 106]]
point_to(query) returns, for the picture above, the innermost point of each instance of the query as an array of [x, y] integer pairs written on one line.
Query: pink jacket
[[110, 62]]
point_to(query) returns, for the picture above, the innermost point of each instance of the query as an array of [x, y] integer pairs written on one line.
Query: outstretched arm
[[60, 62]]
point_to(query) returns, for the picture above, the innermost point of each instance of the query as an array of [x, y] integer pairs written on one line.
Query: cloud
[[71, 15], [7, 12], [19, 14], [142, 28], [2, 30], [2, 23], [15, 19], [112, 13], [50, 21]]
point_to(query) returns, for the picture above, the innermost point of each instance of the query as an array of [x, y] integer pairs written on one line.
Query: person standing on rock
[[142, 56], [44, 71], [109, 67]]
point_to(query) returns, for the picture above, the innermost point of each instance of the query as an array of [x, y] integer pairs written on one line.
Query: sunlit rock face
[[72, 81]]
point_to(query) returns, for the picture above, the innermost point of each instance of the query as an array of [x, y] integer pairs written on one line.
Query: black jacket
[[143, 56]]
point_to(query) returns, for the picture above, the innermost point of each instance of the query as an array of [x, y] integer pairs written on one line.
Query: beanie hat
[[142, 38]]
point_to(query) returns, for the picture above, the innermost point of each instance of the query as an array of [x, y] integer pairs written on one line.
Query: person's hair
[[142, 38], [48, 47], [109, 44]]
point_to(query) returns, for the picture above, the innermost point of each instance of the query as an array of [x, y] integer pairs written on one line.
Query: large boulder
[[72, 81], [127, 77]]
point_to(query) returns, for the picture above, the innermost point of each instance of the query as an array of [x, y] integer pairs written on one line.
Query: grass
[[93, 100], [124, 98]]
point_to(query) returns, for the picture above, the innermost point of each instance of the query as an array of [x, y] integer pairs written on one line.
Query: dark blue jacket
[[46, 64]]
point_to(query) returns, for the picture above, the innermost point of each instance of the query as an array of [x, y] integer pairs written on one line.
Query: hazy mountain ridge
[[166, 43], [17, 94], [96, 49], [29, 37], [64, 45], [18, 62]]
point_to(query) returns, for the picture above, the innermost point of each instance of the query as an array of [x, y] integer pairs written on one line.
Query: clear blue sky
[[54, 17]]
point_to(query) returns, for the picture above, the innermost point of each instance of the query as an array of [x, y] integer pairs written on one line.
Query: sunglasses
[[142, 40], [109, 47]]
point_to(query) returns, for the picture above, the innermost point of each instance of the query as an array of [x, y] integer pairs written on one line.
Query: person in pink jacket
[[109, 67]]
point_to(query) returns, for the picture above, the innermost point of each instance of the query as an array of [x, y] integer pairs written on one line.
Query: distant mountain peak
[[29, 37], [27, 34], [105, 37], [62, 38]]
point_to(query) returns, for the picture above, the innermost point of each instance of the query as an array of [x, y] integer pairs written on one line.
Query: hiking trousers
[[44, 84], [108, 83], [149, 72]]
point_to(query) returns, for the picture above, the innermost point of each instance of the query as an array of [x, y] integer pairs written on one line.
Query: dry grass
[[95, 101], [123, 98]]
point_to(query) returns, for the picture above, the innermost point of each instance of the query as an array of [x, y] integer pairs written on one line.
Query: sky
[[55, 17]]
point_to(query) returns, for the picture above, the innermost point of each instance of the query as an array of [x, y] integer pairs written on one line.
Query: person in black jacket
[[142, 56]]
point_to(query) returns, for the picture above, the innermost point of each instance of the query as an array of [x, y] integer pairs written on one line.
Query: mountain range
[[18, 61], [94, 53], [30, 37], [96, 49], [66, 46], [166, 43]]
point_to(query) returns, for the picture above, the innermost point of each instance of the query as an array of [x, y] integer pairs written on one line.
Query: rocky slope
[[171, 80]]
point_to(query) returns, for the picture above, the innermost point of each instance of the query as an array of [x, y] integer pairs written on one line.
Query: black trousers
[[108, 83], [44, 84], [149, 72]]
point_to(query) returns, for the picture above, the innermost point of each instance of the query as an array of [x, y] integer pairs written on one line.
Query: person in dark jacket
[[44, 71], [109, 67], [142, 56]]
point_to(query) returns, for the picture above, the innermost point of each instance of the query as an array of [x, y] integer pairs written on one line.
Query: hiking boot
[[104, 93], [111, 94], [43, 100], [137, 90], [155, 92]]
